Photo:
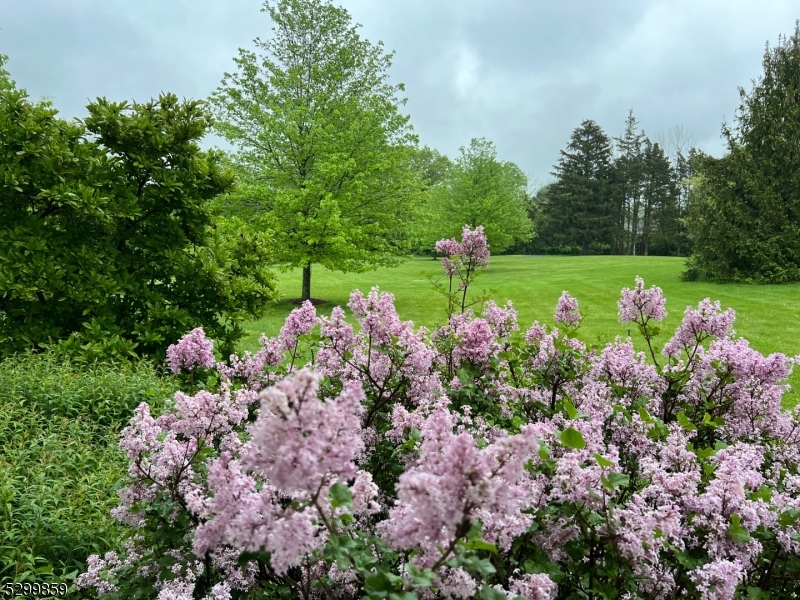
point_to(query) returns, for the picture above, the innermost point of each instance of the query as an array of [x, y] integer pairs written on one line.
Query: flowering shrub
[[473, 460]]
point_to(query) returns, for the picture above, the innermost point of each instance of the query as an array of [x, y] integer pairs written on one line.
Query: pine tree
[[660, 199], [745, 213], [629, 168], [578, 206]]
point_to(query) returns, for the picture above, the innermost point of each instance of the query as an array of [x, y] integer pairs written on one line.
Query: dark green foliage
[[661, 227], [629, 168], [59, 459], [745, 207], [577, 207], [600, 203], [106, 241]]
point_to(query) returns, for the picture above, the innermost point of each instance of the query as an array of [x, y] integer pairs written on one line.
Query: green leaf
[[480, 545], [572, 438], [340, 495], [602, 461], [644, 415], [685, 422], [544, 451], [490, 593], [736, 532], [789, 518], [755, 593], [572, 412], [614, 480]]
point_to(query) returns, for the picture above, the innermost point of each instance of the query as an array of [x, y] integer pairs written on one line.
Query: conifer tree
[[629, 175], [659, 198], [745, 213], [578, 207]]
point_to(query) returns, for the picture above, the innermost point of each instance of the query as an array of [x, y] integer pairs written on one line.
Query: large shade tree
[[320, 135]]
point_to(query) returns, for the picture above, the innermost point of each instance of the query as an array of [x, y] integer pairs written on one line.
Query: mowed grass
[[766, 315]]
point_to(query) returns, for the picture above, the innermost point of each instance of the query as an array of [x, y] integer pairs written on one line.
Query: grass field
[[767, 315]]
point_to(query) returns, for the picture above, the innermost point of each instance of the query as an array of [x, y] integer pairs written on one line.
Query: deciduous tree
[[318, 125], [106, 241], [481, 190]]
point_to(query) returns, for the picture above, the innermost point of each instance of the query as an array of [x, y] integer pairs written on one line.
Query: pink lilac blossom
[[735, 475], [299, 322], [476, 342], [452, 484], [718, 580], [641, 305], [699, 324], [258, 478], [301, 443], [473, 248], [532, 586], [503, 321], [567, 311], [193, 351]]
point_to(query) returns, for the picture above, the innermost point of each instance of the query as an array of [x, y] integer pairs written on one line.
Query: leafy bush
[[104, 393], [108, 246], [472, 460], [61, 465], [59, 480]]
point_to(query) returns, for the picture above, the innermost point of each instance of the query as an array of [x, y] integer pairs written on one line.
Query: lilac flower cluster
[[471, 461], [567, 311], [192, 351], [463, 262], [640, 305]]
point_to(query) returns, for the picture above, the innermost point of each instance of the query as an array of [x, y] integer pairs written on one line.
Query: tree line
[[627, 195]]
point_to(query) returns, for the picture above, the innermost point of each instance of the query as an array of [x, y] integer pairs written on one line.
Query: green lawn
[[767, 315]]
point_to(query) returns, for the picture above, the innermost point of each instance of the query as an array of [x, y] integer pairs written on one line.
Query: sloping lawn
[[768, 316]]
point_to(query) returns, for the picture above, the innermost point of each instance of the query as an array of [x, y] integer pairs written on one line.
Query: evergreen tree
[[745, 217], [683, 172], [660, 201], [578, 208], [629, 181]]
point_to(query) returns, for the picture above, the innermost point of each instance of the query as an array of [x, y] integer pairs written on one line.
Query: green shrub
[[104, 393], [58, 485], [60, 463]]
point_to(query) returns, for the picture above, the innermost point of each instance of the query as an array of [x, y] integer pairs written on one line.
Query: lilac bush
[[471, 460]]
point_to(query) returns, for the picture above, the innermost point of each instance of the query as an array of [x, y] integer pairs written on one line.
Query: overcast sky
[[522, 73]]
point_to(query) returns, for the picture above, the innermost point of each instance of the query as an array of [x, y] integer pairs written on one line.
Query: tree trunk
[[306, 295]]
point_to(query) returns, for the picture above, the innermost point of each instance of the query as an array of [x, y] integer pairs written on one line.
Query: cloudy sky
[[523, 73]]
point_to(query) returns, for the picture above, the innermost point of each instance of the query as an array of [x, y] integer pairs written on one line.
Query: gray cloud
[[522, 73]]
